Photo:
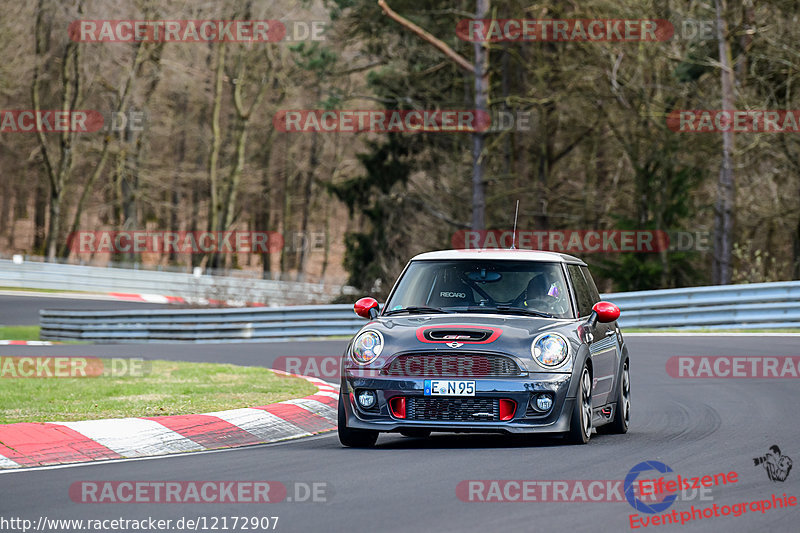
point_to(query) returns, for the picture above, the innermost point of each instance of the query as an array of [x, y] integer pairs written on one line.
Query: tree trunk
[[40, 216], [312, 167], [796, 249], [180, 159], [542, 218], [54, 225], [216, 142], [723, 215], [5, 212], [479, 137], [286, 206], [58, 171], [263, 212], [480, 71]]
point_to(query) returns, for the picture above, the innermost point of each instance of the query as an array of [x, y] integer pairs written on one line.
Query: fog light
[[544, 402], [366, 399]]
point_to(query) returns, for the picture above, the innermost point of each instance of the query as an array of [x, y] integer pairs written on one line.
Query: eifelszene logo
[[664, 490]]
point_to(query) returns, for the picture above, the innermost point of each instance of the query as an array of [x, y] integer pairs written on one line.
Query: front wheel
[[580, 426], [354, 438], [623, 415]]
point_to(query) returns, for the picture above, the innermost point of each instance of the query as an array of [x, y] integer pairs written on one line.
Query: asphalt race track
[[697, 427], [20, 309]]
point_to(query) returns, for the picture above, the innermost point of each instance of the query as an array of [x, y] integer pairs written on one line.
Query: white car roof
[[499, 253]]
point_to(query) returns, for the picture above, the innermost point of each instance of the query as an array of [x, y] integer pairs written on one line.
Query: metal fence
[[201, 325], [754, 306], [749, 306], [192, 288]]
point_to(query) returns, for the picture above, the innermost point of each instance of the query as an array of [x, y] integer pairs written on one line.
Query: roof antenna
[[514, 233]]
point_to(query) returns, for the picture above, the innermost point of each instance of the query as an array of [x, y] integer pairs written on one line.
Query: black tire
[[354, 438], [416, 433], [580, 426], [622, 416]]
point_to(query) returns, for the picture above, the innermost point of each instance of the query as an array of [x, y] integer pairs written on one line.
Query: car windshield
[[516, 287]]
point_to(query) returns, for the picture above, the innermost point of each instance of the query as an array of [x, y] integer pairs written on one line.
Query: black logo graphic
[[777, 466]]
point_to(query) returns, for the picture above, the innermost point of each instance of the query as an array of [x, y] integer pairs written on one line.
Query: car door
[[603, 349]]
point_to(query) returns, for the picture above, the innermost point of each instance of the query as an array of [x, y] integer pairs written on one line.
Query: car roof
[[499, 254]]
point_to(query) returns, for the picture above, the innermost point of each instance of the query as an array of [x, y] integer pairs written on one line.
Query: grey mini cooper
[[513, 341]]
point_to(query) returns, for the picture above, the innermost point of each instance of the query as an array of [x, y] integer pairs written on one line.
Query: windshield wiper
[[521, 311], [415, 309]]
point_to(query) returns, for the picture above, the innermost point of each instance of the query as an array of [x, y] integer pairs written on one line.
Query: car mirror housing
[[366, 308], [603, 312]]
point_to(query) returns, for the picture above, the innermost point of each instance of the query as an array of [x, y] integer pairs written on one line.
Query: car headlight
[[550, 349], [367, 346]]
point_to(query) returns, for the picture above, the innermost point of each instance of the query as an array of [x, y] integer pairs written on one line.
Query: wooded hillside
[[594, 146]]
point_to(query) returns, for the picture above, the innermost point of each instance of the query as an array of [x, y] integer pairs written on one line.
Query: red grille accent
[[507, 409], [398, 406]]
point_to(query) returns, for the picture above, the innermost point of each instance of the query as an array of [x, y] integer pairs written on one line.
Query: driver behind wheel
[[543, 295], [535, 292]]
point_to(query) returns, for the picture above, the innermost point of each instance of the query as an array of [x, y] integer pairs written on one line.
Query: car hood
[[512, 324], [472, 332]]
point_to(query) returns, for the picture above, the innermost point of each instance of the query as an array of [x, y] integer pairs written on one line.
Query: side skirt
[[603, 415]]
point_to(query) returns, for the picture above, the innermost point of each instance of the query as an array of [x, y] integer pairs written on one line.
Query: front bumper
[[518, 389]]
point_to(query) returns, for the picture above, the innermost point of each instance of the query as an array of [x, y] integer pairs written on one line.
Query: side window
[[592, 287], [583, 293]]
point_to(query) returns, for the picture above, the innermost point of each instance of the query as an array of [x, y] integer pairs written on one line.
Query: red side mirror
[[366, 308], [606, 311]]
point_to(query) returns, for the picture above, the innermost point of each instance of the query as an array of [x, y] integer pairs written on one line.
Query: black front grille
[[453, 409], [530, 412], [451, 365]]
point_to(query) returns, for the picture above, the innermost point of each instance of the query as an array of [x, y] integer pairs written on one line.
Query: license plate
[[449, 387]]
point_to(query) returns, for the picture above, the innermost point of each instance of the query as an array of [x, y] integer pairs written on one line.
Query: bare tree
[[124, 94], [58, 169], [480, 70], [726, 186]]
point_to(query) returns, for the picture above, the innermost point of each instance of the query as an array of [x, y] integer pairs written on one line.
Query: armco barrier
[[754, 306], [35, 275], [747, 306], [253, 324]]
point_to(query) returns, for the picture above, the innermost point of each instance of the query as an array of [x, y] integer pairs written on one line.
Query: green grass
[[167, 388], [23, 289], [19, 333], [28, 333]]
